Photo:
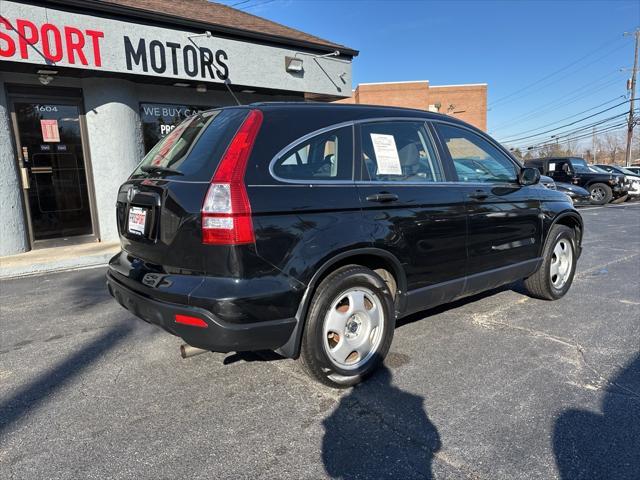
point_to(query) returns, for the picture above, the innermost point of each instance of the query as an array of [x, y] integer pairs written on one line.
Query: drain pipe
[[187, 351]]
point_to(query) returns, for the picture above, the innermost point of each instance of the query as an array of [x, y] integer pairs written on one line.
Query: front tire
[[555, 276], [349, 327], [600, 193]]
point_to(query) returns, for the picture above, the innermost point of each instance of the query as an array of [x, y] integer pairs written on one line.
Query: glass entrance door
[[53, 169]]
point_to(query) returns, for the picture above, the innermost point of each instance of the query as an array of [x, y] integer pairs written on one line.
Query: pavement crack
[[483, 321], [589, 271], [336, 396]]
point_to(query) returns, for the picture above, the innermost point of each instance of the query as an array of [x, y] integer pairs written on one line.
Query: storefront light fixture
[[180, 84], [45, 77], [293, 64], [201, 88]]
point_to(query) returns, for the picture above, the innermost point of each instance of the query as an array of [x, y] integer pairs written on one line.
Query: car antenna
[[226, 81]]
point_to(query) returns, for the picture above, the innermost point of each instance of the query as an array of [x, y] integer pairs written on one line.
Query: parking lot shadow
[[31, 395], [605, 445], [379, 431]]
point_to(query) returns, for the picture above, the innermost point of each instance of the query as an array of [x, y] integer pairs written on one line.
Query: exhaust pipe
[[187, 351]]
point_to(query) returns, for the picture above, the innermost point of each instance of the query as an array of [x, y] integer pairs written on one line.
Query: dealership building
[[88, 86]]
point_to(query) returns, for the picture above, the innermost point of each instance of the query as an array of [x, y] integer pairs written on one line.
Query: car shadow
[[30, 396], [590, 445], [249, 357], [379, 431]]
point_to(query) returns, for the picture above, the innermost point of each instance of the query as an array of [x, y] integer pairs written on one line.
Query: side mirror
[[529, 176]]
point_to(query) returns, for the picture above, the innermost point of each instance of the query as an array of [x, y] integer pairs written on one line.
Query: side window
[[328, 156], [475, 159], [398, 151]]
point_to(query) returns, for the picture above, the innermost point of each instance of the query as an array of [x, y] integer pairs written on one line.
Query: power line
[[570, 116], [569, 124], [575, 134], [607, 129], [603, 46], [558, 103], [605, 126], [577, 130], [257, 4], [239, 3]]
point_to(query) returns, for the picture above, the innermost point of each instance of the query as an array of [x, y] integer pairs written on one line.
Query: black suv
[[602, 186], [309, 229]]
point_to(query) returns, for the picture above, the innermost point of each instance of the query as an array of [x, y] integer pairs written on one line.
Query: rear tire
[[601, 193], [349, 327], [555, 276]]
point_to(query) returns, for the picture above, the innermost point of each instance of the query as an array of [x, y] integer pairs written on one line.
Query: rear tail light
[[226, 211]]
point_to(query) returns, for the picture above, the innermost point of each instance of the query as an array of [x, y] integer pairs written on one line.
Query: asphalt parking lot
[[499, 386]]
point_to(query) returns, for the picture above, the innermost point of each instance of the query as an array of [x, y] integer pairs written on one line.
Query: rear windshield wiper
[[158, 169]]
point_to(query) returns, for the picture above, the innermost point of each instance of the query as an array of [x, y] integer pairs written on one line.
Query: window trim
[[443, 157], [358, 154], [305, 138]]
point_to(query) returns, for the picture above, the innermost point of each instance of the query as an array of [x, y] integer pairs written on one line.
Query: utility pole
[[632, 87]]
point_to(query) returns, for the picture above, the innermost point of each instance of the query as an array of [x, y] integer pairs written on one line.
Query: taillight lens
[[226, 211]]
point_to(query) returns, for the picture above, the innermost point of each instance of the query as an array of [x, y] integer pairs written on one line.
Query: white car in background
[[632, 179]]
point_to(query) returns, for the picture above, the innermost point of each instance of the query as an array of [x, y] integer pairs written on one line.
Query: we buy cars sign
[[51, 37]]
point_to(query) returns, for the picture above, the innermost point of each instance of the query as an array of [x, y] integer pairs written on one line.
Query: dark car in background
[[578, 195], [602, 187], [310, 229]]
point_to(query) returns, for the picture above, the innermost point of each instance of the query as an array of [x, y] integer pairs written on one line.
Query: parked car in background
[[634, 169], [578, 195], [547, 182], [602, 187], [632, 178], [309, 229]]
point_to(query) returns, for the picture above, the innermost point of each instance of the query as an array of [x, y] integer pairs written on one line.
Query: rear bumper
[[217, 336]]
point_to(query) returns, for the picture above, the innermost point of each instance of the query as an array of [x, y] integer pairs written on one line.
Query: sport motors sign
[[50, 37]]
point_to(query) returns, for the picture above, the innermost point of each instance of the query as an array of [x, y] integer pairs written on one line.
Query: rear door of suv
[[504, 224], [303, 200], [409, 208]]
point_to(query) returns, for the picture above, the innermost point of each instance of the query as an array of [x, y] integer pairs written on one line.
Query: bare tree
[[612, 148]]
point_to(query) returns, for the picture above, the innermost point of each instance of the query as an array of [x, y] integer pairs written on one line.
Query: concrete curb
[[59, 266]]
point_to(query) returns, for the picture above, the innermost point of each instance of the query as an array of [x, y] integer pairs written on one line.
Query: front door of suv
[[410, 210], [504, 224], [560, 170]]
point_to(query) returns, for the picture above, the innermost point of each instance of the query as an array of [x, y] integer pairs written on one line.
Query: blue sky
[[506, 44]]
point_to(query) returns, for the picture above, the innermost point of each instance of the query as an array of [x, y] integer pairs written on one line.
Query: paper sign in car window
[[50, 132], [552, 167], [386, 154]]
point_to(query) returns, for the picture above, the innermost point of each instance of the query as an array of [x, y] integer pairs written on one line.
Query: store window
[[159, 119]]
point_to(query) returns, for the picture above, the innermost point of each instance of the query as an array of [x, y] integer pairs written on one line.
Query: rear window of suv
[[194, 148]]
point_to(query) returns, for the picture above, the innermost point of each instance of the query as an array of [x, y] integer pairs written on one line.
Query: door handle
[[41, 170], [382, 197], [24, 174], [479, 195]]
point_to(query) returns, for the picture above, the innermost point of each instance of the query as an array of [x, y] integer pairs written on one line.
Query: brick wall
[[467, 102]]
